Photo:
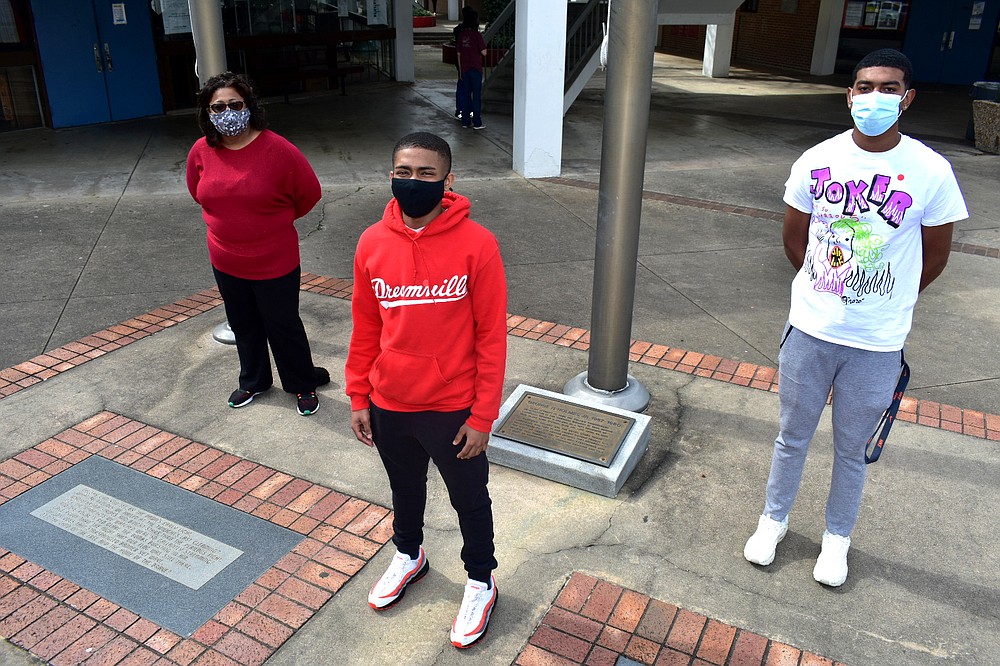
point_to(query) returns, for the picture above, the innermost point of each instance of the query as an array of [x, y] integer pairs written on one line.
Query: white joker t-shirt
[[859, 281]]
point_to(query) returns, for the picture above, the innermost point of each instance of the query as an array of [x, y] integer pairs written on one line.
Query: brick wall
[[757, 33]]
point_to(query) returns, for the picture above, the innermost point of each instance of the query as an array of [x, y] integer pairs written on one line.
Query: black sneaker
[[308, 403], [242, 397], [322, 376]]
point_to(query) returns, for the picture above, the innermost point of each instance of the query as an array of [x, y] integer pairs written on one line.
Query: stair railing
[[499, 37], [583, 38]]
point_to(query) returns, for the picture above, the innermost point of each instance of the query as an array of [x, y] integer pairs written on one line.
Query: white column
[[718, 50], [824, 57], [402, 11], [453, 10], [539, 73]]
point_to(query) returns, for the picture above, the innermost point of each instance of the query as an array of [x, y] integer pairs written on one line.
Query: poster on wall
[[378, 12], [118, 16], [976, 20], [888, 15], [871, 14], [854, 14], [176, 17], [875, 14]]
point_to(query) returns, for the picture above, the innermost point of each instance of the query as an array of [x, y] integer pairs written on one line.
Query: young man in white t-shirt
[[868, 224]]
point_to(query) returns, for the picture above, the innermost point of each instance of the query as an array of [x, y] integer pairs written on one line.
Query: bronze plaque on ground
[[585, 433]]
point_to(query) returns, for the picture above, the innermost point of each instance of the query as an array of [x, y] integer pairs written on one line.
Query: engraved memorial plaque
[[160, 545], [585, 433]]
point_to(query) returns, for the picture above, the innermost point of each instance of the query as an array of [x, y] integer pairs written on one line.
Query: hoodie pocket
[[413, 379]]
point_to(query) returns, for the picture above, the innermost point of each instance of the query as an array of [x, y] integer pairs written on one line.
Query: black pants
[[406, 441], [262, 312]]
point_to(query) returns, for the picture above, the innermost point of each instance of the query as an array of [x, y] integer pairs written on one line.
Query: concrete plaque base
[[580, 474]]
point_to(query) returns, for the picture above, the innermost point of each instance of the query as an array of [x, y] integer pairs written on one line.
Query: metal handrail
[[584, 38], [499, 23]]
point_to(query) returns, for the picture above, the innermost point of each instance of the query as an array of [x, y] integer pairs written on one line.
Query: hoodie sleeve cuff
[[359, 402], [482, 425]]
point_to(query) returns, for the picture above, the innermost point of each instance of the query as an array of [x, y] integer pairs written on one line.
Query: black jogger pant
[[406, 441], [262, 312]]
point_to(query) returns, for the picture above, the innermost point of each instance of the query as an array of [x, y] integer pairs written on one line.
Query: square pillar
[[824, 56], [539, 79], [402, 18], [718, 50]]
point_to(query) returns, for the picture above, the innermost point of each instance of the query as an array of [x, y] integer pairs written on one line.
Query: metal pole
[[209, 40], [632, 40], [210, 60]]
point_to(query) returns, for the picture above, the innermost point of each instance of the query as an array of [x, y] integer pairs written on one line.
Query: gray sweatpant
[[863, 382]]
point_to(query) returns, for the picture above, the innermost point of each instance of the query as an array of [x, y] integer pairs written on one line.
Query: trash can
[[986, 115], [988, 90]]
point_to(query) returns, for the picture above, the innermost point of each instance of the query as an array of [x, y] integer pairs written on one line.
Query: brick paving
[[746, 211], [594, 622], [922, 412], [64, 624]]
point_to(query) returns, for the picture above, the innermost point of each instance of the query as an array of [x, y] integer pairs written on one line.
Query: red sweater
[[430, 316], [250, 199]]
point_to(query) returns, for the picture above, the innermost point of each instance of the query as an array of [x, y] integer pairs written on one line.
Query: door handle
[[951, 40], [107, 56], [97, 59]]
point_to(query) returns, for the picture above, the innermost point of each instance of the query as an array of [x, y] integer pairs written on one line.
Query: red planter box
[[424, 21]]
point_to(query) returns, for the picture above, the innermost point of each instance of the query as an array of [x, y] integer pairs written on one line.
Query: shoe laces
[[834, 544], [475, 594], [770, 525], [401, 565]]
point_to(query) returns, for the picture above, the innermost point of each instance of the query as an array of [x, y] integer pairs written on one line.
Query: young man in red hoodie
[[425, 367]]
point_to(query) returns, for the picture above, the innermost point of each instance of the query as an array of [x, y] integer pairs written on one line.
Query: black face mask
[[417, 197]]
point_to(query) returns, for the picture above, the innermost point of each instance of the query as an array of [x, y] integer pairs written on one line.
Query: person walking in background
[[425, 368], [471, 50], [460, 84], [868, 224], [252, 185]]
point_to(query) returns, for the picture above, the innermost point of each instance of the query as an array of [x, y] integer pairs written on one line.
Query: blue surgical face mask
[[875, 112], [231, 123]]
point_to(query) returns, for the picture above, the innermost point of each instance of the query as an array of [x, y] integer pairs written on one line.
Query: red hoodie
[[430, 316]]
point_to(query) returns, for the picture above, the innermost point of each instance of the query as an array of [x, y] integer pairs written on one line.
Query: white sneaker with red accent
[[402, 571], [474, 615]]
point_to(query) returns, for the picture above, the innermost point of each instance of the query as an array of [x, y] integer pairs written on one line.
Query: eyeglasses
[[219, 107]]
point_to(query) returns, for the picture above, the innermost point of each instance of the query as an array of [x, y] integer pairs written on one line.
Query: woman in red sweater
[[252, 185]]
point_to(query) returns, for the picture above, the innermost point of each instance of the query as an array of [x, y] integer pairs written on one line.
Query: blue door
[[951, 41], [98, 60]]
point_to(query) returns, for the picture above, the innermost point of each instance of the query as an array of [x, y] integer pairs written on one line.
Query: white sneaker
[[402, 571], [831, 566], [760, 547], [474, 615]]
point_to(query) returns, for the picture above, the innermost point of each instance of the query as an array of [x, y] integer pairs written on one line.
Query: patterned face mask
[[231, 123]]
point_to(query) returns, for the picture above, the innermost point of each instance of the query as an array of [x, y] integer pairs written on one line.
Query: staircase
[[583, 44]]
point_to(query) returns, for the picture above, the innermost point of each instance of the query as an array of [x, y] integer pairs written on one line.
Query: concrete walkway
[[98, 230]]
